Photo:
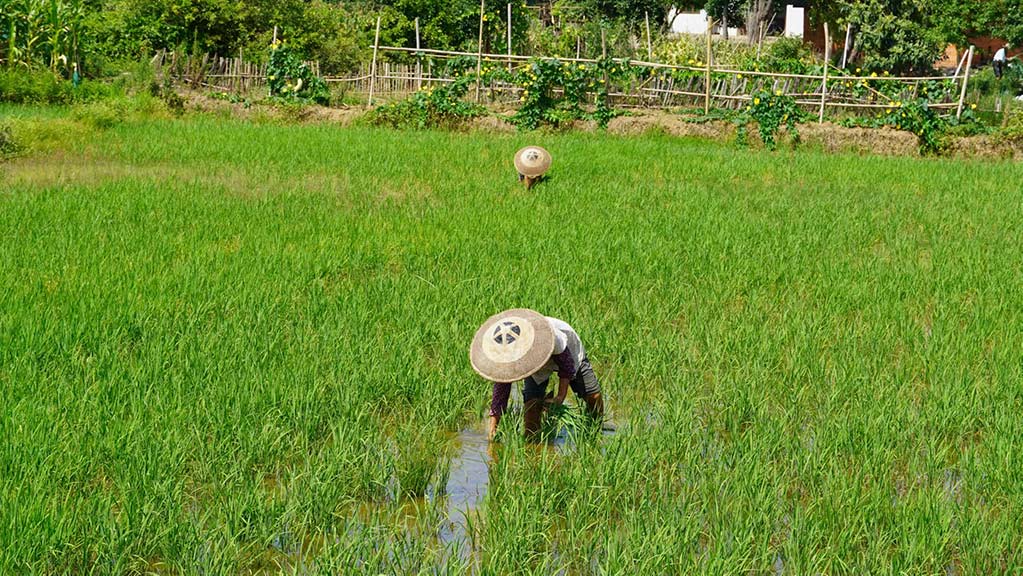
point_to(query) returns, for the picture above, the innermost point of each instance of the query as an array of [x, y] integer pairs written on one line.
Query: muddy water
[[447, 515], [466, 487]]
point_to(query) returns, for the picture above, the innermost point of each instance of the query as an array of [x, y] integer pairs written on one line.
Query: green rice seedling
[[229, 348]]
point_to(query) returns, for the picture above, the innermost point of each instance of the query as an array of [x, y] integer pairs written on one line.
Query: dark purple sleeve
[[499, 399], [566, 364]]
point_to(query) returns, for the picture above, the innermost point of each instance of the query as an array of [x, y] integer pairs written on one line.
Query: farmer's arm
[[498, 404], [566, 371]]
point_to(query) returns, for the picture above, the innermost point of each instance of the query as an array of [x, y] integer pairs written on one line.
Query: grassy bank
[[219, 341]]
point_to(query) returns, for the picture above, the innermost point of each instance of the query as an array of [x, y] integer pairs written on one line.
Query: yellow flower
[[873, 74], [898, 104], [522, 99], [739, 76], [756, 101], [778, 93], [582, 67], [858, 70], [973, 106]]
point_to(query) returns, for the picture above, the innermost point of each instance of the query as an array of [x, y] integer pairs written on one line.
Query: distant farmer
[[1000, 60], [521, 344], [532, 162]]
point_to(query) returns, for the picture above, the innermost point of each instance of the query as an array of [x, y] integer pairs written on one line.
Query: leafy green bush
[[434, 107], [789, 56], [1012, 132], [20, 86], [291, 79], [554, 92], [690, 50], [918, 116], [770, 111], [8, 145]]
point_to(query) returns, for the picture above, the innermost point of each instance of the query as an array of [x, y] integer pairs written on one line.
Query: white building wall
[[696, 22], [794, 18], [689, 22]]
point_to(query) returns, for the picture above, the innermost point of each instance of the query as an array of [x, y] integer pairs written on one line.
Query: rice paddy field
[[239, 348]]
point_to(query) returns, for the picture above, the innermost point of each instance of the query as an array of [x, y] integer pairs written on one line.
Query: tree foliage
[[896, 35]]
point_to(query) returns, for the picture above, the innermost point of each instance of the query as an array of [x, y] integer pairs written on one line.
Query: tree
[[899, 36], [758, 13], [725, 11]]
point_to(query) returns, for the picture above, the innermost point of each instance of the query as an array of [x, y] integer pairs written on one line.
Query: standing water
[[466, 488]]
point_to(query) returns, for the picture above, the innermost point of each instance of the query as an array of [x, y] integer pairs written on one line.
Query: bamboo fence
[[662, 85]]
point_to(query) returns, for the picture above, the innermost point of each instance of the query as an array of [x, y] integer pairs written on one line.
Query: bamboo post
[[706, 83], [269, 86], [603, 43], [373, 66], [959, 68], [966, 82], [479, 53], [509, 37], [649, 42], [845, 47], [419, 60], [827, 64]]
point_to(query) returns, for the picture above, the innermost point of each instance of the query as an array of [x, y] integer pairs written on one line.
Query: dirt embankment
[[827, 136], [201, 102]]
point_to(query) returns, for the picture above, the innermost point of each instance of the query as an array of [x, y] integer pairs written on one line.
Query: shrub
[[554, 92], [1012, 132], [770, 111], [434, 107], [789, 56], [22, 86], [291, 79], [8, 145]]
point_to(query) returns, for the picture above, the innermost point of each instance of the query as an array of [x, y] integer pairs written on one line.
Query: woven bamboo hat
[[532, 161], [511, 345]]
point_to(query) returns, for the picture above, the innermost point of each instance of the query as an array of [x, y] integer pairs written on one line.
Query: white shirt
[[1000, 55], [565, 337]]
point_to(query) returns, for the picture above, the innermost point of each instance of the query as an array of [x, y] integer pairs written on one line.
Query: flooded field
[[235, 348]]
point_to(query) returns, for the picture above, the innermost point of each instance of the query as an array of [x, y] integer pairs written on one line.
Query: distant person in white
[[999, 61]]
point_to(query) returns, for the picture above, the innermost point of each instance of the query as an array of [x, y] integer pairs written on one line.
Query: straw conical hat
[[532, 161], [511, 345]]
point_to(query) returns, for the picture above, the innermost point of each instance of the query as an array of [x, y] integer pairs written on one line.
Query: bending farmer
[[521, 344]]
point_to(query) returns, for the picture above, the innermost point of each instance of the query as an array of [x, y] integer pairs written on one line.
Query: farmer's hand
[[559, 398], [555, 400]]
